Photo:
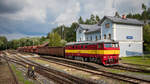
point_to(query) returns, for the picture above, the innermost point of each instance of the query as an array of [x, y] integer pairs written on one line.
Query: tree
[[87, 21], [146, 35], [3, 42], [93, 19], [80, 20], [144, 7], [54, 39], [117, 15], [70, 33], [97, 18]]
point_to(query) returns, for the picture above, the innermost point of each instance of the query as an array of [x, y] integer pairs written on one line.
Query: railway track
[[96, 71], [96, 67], [130, 69], [136, 64], [57, 76]]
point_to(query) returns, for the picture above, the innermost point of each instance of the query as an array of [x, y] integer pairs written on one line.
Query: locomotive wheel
[[86, 59], [73, 58], [98, 61]]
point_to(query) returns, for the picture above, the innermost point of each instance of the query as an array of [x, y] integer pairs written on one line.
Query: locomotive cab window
[[111, 45], [81, 46], [85, 46], [100, 46]]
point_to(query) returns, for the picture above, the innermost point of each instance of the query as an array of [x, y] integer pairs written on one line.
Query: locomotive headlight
[[104, 56]]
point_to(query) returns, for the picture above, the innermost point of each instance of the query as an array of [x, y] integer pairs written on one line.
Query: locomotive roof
[[91, 42]]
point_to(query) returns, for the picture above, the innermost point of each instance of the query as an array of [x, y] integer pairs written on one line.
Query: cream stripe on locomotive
[[94, 51]]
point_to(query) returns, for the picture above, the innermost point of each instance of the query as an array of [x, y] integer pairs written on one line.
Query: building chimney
[[123, 16]]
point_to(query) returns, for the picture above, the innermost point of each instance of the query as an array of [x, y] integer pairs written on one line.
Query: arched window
[[99, 37], [96, 38], [104, 36], [80, 39], [87, 38], [109, 36]]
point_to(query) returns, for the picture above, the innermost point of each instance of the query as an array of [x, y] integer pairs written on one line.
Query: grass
[[137, 60], [20, 76]]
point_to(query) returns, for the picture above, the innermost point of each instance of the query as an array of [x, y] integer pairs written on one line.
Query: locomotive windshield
[[111, 45]]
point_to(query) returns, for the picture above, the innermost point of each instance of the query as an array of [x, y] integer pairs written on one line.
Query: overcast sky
[[21, 18]]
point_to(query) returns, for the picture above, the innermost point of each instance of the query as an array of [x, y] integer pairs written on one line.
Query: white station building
[[128, 32]]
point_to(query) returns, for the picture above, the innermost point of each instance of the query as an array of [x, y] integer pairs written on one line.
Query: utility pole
[[62, 32]]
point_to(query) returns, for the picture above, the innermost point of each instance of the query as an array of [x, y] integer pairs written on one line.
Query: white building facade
[[128, 32]]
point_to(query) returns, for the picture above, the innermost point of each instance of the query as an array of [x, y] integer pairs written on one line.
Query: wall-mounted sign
[[129, 37]]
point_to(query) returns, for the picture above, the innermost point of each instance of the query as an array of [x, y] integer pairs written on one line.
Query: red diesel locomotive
[[105, 52]]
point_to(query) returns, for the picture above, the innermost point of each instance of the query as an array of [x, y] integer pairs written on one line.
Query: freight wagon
[[54, 51]]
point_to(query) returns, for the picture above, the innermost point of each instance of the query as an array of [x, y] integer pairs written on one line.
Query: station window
[[91, 38], [96, 38], [80, 31], [109, 36], [87, 38], [99, 37], [104, 36], [107, 25]]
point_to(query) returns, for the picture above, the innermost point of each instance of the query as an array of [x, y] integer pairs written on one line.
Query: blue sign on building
[[129, 37]]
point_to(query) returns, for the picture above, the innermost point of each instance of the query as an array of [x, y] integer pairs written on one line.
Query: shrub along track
[[56, 76]]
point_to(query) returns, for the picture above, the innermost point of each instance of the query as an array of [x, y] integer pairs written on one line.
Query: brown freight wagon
[[54, 51]]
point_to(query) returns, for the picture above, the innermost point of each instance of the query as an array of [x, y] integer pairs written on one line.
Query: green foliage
[[3, 42], [14, 44], [145, 15], [63, 42], [93, 20], [146, 36], [66, 33], [80, 20], [144, 7], [70, 32], [117, 15], [54, 39], [97, 18]]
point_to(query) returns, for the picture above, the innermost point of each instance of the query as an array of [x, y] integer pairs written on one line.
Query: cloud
[[23, 10], [69, 15], [10, 6], [38, 17]]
